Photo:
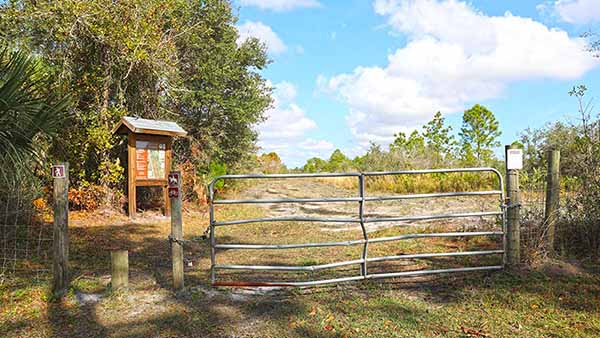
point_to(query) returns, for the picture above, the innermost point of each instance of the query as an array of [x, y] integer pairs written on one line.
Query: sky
[[349, 72]]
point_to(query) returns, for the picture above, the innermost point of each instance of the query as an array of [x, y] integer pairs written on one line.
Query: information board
[[150, 160]]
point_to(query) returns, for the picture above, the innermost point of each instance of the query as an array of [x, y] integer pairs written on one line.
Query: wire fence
[[25, 238], [534, 227]]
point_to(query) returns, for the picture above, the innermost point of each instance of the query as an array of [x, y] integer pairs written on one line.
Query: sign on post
[[514, 159], [58, 171], [173, 181]]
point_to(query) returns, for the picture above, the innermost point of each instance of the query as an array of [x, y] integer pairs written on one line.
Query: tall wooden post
[[552, 198], [131, 175], [119, 262], [60, 244], [176, 229], [513, 230]]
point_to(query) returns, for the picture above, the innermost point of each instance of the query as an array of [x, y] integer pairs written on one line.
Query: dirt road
[[311, 188]]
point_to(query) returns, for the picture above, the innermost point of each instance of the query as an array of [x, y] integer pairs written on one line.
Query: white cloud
[[262, 32], [281, 5], [572, 11], [286, 126], [455, 56], [320, 145]]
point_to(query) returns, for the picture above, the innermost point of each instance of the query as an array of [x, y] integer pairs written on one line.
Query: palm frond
[[29, 105]]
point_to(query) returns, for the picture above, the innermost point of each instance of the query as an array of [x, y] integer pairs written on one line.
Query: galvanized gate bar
[[362, 220], [429, 217], [355, 242], [288, 246], [433, 171], [439, 234], [432, 255], [441, 194], [260, 176], [288, 219], [291, 200], [289, 267]]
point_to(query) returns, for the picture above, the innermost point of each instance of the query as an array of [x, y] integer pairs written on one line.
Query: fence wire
[[25, 238], [534, 228]]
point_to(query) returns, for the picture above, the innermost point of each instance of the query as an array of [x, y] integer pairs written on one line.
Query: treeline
[[433, 146], [176, 60]]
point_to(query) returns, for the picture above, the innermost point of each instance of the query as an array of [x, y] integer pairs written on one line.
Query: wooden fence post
[[174, 187], [60, 243], [513, 231], [552, 198], [120, 269]]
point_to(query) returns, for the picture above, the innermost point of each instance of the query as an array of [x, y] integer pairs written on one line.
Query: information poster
[[150, 160]]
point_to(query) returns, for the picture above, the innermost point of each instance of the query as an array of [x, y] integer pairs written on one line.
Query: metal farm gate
[[361, 199]]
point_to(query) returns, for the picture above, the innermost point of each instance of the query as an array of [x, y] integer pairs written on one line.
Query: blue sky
[[349, 72]]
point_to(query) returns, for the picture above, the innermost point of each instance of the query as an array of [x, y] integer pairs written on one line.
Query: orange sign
[[141, 163], [150, 160]]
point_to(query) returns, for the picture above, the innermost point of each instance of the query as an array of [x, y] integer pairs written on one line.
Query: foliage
[[176, 60], [86, 197], [29, 109], [314, 165], [479, 134], [31, 114], [582, 231], [338, 162], [438, 138], [435, 147], [578, 231], [270, 164]]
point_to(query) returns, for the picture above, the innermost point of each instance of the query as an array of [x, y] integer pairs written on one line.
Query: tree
[[438, 138], [414, 144], [314, 165], [479, 134], [271, 164], [165, 59], [338, 162]]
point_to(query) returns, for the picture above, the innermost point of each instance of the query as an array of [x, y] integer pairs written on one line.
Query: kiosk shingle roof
[[144, 126]]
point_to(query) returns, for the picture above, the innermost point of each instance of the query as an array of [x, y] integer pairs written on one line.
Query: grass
[[558, 300]]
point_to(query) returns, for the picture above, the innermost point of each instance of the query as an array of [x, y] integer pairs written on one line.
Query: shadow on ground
[[451, 305]]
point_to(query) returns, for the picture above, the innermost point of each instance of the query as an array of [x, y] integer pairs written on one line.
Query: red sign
[[173, 192], [173, 180], [58, 171]]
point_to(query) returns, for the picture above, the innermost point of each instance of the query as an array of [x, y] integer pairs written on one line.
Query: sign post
[[176, 238], [60, 243], [514, 162]]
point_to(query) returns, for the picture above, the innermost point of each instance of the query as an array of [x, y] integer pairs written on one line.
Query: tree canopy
[[479, 134], [175, 59]]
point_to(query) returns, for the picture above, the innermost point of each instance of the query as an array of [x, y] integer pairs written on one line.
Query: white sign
[[58, 171], [514, 159]]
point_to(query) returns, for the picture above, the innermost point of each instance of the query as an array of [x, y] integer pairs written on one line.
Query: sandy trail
[[311, 188]]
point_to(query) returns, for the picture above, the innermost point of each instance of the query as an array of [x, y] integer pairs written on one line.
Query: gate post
[[513, 206], [60, 243], [176, 238], [552, 198]]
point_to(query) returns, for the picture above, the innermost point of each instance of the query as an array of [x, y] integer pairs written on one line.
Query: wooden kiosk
[[148, 155]]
